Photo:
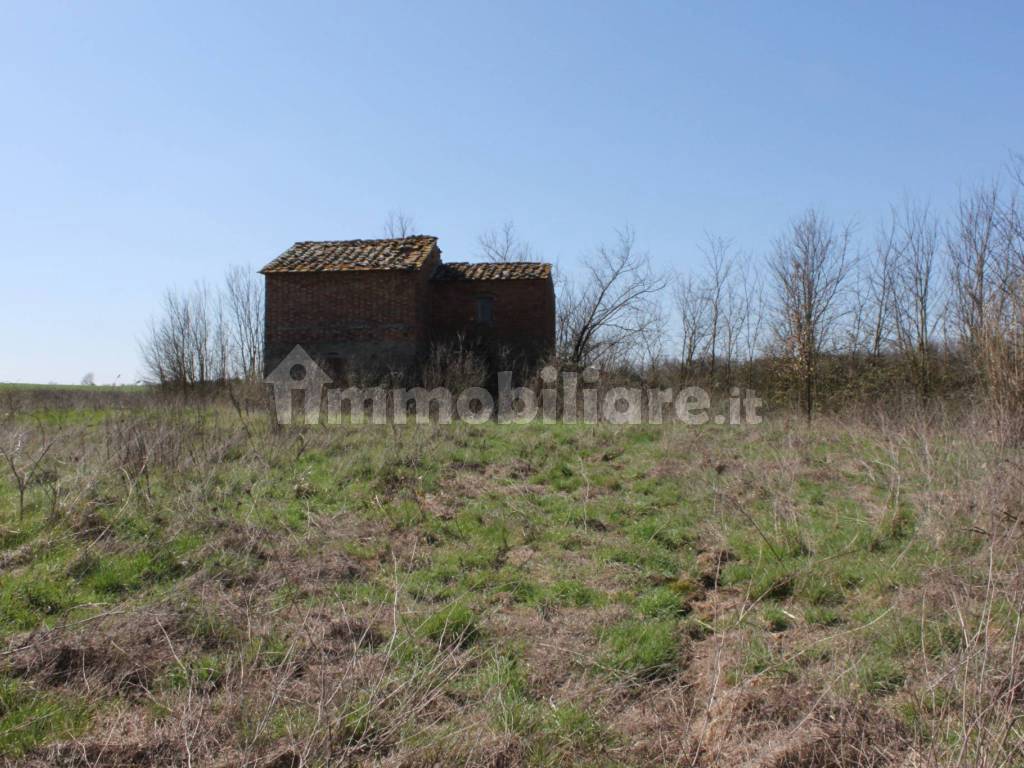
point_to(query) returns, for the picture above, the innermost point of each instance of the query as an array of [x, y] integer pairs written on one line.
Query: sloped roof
[[509, 270], [402, 253]]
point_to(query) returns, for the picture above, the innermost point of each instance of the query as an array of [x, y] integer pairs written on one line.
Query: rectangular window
[[485, 310]]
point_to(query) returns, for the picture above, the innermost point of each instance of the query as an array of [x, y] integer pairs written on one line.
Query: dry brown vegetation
[[187, 586]]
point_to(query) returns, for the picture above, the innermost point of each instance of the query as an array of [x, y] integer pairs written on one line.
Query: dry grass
[[187, 586]]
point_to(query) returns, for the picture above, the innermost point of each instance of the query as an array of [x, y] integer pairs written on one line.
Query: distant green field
[[6, 386]]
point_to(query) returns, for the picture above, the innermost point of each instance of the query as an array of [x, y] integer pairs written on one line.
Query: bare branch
[[613, 307], [504, 245], [399, 224]]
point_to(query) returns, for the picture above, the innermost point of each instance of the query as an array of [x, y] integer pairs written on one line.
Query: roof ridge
[[492, 270], [393, 253], [374, 239], [497, 263]]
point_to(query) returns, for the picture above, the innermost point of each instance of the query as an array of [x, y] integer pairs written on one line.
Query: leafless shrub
[[986, 251], [916, 293], [454, 366], [24, 450]]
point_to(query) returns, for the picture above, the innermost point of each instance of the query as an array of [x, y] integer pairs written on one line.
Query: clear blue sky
[[146, 145]]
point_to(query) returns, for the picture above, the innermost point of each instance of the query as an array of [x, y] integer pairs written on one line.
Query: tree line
[[205, 336], [927, 304]]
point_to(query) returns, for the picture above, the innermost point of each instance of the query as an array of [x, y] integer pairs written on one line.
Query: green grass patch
[[454, 625], [647, 649], [30, 719]]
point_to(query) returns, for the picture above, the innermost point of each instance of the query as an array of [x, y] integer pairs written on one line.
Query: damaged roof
[[509, 270], [402, 253]]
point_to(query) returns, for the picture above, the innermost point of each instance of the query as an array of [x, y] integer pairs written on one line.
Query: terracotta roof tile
[[510, 270], [405, 253]]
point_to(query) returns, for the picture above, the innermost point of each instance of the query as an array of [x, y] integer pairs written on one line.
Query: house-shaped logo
[[298, 372]]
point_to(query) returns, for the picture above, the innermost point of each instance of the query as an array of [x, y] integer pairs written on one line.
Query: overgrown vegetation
[[927, 307], [187, 585]]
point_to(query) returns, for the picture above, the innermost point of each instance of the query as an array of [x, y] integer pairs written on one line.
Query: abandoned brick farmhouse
[[371, 305]]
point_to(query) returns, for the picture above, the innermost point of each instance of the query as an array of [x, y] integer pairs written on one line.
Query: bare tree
[[243, 302], [399, 224], [186, 343], [89, 380], [809, 264], [881, 286], [649, 349], [712, 310], [692, 306], [971, 246], [752, 332], [165, 349], [504, 245], [858, 326], [204, 336], [915, 297], [718, 268], [733, 315], [999, 350], [612, 307]]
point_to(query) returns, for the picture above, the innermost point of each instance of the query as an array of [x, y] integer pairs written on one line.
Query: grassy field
[[186, 586], [77, 388]]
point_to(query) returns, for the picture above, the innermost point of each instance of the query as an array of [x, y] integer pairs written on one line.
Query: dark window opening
[[485, 310]]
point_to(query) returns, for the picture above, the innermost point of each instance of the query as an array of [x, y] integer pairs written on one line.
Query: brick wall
[[350, 319], [524, 313]]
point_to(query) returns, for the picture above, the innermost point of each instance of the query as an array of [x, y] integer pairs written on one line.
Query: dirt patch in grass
[[515, 469], [670, 468], [314, 571], [518, 557], [441, 506], [710, 563], [125, 654], [557, 647], [95, 753], [700, 720], [765, 724], [475, 480]]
